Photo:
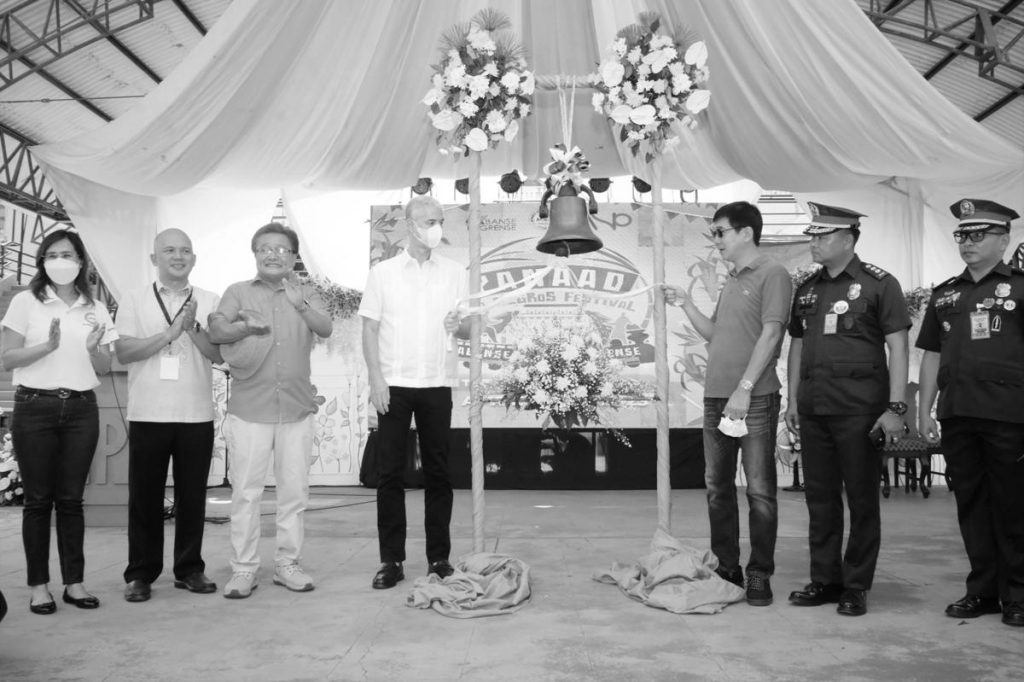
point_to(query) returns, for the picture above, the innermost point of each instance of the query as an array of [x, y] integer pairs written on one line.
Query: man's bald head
[[173, 257]]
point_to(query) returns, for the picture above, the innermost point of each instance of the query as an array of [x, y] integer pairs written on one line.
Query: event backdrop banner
[[611, 291]]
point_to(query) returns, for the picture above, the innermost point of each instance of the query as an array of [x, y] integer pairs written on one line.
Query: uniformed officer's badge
[[966, 208], [840, 307], [854, 293], [988, 303], [1003, 289], [1010, 305], [946, 326]]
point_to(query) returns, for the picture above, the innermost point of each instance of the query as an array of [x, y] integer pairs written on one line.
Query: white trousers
[[251, 447]]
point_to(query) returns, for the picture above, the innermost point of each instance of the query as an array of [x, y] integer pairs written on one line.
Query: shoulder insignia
[[948, 283], [874, 270], [1017, 271]]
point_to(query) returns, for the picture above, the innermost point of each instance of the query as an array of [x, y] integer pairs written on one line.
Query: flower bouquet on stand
[[481, 87], [648, 82], [563, 373]]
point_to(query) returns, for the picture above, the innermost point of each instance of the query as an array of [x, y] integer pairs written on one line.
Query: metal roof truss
[[22, 181]]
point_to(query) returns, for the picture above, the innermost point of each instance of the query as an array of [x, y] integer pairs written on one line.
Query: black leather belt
[[62, 393]]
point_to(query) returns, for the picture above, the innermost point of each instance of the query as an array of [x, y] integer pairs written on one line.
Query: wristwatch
[[747, 385], [302, 308], [898, 408]]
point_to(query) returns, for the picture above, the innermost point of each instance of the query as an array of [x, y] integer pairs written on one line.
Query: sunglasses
[[960, 236], [719, 232]]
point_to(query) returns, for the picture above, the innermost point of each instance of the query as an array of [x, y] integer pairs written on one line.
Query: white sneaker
[[293, 577], [241, 585]]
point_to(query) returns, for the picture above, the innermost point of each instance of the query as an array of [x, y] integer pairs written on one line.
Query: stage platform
[[574, 629]]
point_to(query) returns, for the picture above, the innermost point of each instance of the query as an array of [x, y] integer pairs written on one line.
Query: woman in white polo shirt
[[56, 340]]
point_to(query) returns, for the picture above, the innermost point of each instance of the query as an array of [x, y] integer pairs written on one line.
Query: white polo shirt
[[69, 365], [189, 398], [410, 301]]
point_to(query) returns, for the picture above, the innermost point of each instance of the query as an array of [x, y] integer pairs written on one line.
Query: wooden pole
[[661, 355], [476, 430]]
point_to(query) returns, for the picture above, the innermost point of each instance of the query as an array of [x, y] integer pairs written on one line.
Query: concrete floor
[[573, 628]]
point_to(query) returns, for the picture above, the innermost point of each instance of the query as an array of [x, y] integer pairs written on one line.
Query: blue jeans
[[54, 441], [758, 448]]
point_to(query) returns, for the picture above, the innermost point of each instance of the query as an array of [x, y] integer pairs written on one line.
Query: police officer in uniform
[[973, 338], [841, 389]]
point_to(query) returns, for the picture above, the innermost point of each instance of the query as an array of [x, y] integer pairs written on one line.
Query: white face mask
[[430, 237], [62, 270]]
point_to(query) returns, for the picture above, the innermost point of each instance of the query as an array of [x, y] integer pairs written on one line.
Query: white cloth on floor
[[674, 577], [483, 585]]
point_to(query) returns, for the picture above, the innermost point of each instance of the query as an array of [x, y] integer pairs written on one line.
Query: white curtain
[[313, 96]]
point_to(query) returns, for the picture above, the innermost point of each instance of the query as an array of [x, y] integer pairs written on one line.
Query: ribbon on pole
[[661, 355]]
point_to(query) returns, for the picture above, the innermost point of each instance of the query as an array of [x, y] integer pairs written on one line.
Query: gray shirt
[[756, 295]]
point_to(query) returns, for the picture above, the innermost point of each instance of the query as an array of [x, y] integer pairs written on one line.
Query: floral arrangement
[[341, 302], [567, 166], [917, 300], [11, 490], [563, 372], [481, 87], [650, 81]]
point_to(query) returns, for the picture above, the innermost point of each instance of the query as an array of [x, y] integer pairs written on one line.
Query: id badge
[[980, 328], [169, 366], [831, 322]]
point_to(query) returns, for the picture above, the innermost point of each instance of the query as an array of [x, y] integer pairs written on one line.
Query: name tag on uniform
[[169, 367], [831, 322], [980, 328]]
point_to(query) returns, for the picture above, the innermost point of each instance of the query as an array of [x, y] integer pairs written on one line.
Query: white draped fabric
[[313, 96]]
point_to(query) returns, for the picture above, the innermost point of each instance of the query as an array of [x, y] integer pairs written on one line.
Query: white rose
[[698, 101], [590, 368], [620, 114], [494, 90], [529, 84], [467, 108], [481, 40], [634, 56], [696, 54], [446, 120], [570, 352], [510, 81], [479, 85], [521, 375], [477, 140], [495, 122], [511, 130], [659, 85], [635, 135], [542, 366], [611, 73]]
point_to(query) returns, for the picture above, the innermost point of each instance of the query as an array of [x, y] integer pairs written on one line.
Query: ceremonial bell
[[569, 227]]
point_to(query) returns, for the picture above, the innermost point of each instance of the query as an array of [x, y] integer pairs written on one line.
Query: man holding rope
[[407, 312], [741, 394]]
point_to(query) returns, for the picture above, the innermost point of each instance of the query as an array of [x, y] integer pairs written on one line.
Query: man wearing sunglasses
[[973, 341], [267, 325], [741, 394], [841, 389]]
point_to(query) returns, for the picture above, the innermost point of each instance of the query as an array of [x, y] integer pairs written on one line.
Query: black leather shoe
[[442, 569], [816, 594], [44, 609], [973, 606], [853, 603], [388, 576], [734, 575], [137, 590], [1013, 613], [196, 582], [89, 602]]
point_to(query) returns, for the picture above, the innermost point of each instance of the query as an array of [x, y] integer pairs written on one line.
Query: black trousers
[[985, 464], [433, 410], [54, 442], [838, 454], [151, 445]]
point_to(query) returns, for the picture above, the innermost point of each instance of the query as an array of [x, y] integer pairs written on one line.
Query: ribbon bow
[[567, 165]]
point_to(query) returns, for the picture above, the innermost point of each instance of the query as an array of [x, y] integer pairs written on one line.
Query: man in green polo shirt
[[741, 394]]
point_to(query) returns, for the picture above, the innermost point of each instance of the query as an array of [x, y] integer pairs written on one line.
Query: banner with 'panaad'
[[609, 290]]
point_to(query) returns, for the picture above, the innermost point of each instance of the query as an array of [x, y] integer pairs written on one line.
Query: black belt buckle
[[64, 393]]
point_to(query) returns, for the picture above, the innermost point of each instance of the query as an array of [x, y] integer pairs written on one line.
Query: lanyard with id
[[170, 362]]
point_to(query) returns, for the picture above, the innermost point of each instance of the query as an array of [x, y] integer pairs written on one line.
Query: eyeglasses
[[719, 232], [961, 236], [265, 251]]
